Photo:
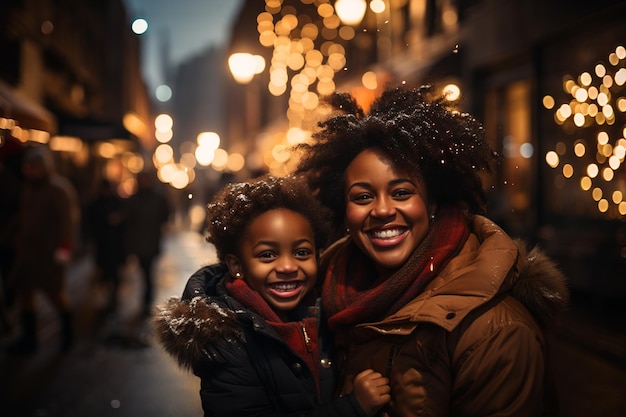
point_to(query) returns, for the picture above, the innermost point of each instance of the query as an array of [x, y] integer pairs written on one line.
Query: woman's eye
[[362, 197], [402, 194]]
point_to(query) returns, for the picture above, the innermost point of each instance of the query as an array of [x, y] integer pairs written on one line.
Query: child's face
[[278, 258]]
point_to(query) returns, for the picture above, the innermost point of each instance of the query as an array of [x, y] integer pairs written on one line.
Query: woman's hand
[[371, 390]]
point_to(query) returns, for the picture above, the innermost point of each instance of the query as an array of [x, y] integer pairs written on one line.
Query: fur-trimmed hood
[[541, 286], [202, 324], [188, 329]]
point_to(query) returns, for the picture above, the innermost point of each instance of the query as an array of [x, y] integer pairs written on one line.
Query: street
[[116, 369]]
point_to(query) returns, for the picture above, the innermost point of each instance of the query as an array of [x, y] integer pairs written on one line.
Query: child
[[255, 340]]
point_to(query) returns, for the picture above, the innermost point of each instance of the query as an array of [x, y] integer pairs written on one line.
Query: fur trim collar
[[194, 330], [541, 286]]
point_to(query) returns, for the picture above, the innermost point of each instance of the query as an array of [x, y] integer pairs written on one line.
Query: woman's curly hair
[[420, 134], [238, 204]]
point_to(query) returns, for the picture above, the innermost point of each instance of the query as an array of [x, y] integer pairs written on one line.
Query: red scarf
[[353, 293], [291, 332]]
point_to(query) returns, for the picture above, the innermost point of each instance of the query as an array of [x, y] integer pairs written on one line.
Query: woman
[[253, 340], [423, 288]]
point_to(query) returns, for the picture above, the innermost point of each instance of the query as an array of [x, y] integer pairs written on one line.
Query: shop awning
[[27, 113]]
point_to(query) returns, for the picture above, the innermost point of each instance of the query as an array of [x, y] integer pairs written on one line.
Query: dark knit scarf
[[291, 332], [354, 293]]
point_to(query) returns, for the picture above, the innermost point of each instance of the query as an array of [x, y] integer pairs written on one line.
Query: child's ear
[[234, 266]]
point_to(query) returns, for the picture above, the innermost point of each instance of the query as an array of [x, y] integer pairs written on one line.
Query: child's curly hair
[[421, 135], [238, 204]]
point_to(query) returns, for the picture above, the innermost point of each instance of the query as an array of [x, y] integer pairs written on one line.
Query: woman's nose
[[383, 208]]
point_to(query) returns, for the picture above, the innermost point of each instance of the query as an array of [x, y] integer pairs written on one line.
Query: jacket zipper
[[307, 339], [392, 354]]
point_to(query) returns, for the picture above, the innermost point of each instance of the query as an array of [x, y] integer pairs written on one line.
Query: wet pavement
[[116, 369]]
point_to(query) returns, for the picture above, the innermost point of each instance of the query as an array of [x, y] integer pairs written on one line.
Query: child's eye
[[303, 253], [266, 255]]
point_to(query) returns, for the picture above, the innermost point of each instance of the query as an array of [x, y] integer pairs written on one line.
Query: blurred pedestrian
[[11, 154], [46, 232], [105, 225], [147, 212]]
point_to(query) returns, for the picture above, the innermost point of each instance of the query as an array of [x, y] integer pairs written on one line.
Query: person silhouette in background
[[146, 212], [11, 179], [46, 233], [106, 222]]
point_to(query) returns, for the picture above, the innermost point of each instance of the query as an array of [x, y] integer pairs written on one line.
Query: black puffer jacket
[[245, 368]]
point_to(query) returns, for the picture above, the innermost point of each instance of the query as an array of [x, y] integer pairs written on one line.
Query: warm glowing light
[[351, 12], [204, 155], [180, 179], [581, 95], [579, 149], [163, 122], [596, 193], [377, 6], [451, 92], [244, 66], [568, 171], [614, 162], [548, 102], [166, 173], [66, 144], [585, 183], [295, 135], [281, 153], [603, 138], [236, 162], [585, 79], [210, 140], [220, 160], [579, 119], [565, 111], [369, 80], [188, 160], [164, 136], [592, 170], [617, 197], [164, 153], [552, 159]]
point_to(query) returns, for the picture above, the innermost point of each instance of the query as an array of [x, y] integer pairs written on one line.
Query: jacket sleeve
[[499, 365]]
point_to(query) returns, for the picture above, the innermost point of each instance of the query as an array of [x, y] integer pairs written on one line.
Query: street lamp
[[351, 12], [244, 66]]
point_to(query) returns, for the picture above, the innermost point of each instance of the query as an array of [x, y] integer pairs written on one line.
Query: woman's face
[[387, 210], [277, 258]]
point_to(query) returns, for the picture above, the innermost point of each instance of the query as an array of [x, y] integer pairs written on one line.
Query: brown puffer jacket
[[472, 344]]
